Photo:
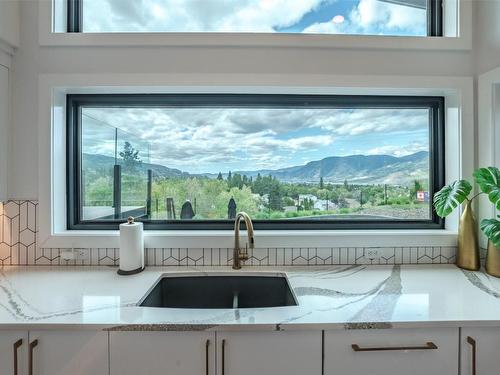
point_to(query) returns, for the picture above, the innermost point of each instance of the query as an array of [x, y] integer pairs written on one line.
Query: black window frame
[[75, 102], [74, 20]]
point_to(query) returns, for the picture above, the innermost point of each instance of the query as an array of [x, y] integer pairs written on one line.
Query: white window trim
[[488, 134], [52, 159], [457, 29]]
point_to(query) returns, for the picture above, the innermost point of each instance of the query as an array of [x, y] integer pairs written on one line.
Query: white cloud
[[294, 144], [366, 17], [399, 151], [367, 121], [377, 17], [194, 15], [194, 139]]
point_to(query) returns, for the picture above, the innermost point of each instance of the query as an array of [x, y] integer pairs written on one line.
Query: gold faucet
[[239, 255]]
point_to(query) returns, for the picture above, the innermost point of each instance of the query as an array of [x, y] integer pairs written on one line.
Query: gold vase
[[468, 245], [493, 260]]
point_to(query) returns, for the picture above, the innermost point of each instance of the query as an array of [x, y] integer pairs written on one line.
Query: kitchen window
[[354, 17], [191, 161]]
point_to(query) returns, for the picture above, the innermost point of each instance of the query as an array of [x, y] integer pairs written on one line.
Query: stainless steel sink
[[220, 291]]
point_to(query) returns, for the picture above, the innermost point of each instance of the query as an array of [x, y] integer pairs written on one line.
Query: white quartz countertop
[[344, 297]]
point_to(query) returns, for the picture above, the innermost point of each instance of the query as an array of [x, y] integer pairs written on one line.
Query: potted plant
[[488, 180], [453, 195]]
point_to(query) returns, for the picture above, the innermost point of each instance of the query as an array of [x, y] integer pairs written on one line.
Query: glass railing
[[115, 172]]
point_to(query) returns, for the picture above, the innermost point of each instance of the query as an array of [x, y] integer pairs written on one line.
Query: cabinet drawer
[[480, 353], [269, 353], [68, 352], [392, 352], [13, 350], [162, 353]]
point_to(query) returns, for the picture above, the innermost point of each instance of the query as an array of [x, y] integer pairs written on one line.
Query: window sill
[[255, 40], [263, 239]]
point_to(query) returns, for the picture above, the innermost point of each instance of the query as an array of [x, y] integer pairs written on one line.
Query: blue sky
[[217, 139], [298, 16]]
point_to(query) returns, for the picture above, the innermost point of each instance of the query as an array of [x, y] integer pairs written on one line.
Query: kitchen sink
[[220, 291]]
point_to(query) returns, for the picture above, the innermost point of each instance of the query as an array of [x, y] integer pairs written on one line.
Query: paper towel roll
[[131, 248]]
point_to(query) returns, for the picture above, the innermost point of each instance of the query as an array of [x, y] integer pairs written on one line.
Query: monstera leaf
[[488, 180], [451, 196], [491, 228]]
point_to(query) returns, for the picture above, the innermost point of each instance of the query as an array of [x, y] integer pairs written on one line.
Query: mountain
[[359, 169], [95, 161]]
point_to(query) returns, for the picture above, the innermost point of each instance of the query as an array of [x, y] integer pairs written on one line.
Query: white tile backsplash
[[19, 232]]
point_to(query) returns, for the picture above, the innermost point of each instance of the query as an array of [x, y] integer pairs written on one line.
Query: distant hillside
[[100, 161], [360, 169]]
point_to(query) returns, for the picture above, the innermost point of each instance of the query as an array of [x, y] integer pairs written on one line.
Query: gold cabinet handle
[[33, 344], [17, 345], [223, 357], [472, 343], [207, 344], [427, 346]]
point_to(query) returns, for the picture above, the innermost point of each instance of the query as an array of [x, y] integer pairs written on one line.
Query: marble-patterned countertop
[[333, 297]]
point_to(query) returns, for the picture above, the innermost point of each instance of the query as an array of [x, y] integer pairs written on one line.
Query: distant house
[[324, 205], [310, 197]]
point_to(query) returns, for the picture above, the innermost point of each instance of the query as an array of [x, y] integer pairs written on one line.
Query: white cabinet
[[480, 351], [4, 125], [269, 353], [192, 353], [68, 352], [160, 353], [13, 352], [392, 352]]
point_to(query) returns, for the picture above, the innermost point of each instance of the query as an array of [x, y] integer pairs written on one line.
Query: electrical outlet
[[68, 254], [79, 254], [72, 254], [373, 253]]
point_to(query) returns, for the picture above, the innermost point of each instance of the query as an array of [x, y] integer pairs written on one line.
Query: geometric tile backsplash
[[19, 231]]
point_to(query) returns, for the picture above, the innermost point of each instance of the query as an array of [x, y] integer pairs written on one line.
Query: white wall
[[496, 155], [31, 60], [487, 35], [9, 22]]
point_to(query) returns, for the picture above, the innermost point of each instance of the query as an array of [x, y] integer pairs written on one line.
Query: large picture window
[[290, 161], [368, 17]]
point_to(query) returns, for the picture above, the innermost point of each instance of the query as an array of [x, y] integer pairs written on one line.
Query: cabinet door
[[269, 353], [161, 353], [484, 344], [13, 351], [392, 352], [68, 352], [4, 122]]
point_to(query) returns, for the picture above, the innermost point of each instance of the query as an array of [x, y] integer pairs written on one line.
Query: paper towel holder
[[131, 220]]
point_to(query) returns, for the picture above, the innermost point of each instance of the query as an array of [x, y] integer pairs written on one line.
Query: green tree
[[307, 204], [417, 186], [98, 191], [219, 176], [130, 156], [321, 183], [275, 195], [323, 194], [236, 181]]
